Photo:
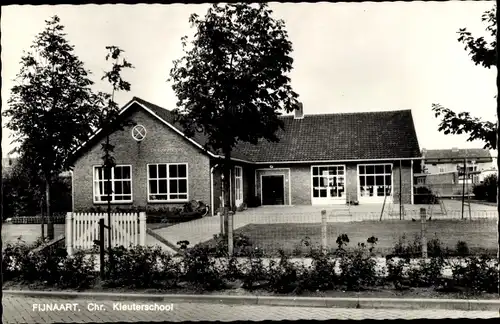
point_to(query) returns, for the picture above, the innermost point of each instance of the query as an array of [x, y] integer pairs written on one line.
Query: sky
[[348, 57]]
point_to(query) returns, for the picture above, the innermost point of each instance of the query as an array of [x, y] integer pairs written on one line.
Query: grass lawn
[[480, 235]]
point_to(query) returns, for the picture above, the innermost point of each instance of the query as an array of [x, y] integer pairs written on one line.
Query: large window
[[328, 181], [120, 186], [167, 182], [375, 180]]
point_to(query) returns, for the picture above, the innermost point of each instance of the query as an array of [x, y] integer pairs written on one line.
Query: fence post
[[69, 233], [142, 228], [423, 233], [230, 215], [101, 247], [323, 231]]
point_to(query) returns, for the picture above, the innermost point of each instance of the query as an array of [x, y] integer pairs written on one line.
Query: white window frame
[[375, 198], [320, 200], [113, 200], [236, 191], [168, 178]]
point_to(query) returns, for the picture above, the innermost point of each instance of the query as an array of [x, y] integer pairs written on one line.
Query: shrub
[[241, 245], [137, 267], [477, 275], [406, 249], [321, 275], [397, 271], [435, 247], [424, 195], [200, 269], [462, 249], [357, 269], [487, 190], [77, 271], [283, 275], [256, 273], [426, 273]]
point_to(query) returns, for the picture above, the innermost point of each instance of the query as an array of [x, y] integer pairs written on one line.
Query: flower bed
[[195, 270]]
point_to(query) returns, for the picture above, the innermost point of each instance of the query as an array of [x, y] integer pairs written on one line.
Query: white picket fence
[[127, 229]]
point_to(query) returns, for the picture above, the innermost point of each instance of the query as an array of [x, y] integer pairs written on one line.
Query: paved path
[[21, 310]]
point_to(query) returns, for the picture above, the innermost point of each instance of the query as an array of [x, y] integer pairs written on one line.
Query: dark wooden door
[[273, 190]]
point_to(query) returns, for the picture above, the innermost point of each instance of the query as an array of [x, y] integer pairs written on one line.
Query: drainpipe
[[212, 189]]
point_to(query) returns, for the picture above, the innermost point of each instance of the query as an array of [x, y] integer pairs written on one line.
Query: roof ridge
[[352, 113]]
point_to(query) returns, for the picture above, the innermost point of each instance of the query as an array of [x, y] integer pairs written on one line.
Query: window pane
[[117, 172], [315, 193], [370, 169], [107, 187], [173, 186], [388, 168], [127, 197], [183, 186], [183, 196], [322, 193], [118, 187], [174, 196], [126, 172], [341, 191], [127, 187], [98, 174], [153, 187], [162, 186], [379, 169], [370, 180], [152, 171], [379, 180], [340, 171], [362, 169], [107, 173], [315, 181], [172, 171], [362, 180], [315, 171], [388, 180], [118, 197], [183, 171], [162, 171]]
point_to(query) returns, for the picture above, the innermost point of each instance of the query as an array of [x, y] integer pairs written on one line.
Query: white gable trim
[[164, 122]]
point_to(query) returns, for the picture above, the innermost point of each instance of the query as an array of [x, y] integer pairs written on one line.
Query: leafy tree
[[484, 53], [51, 108], [231, 82], [110, 121]]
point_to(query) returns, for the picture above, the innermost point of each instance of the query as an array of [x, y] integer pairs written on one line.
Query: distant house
[[320, 159], [449, 169]]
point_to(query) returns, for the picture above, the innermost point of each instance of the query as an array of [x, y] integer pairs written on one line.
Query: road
[[35, 310]]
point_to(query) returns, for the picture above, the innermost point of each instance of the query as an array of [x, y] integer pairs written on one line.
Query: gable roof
[[456, 155], [327, 137], [340, 137]]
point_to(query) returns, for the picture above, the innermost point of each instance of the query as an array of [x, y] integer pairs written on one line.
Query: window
[[167, 182], [441, 170], [120, 186], [328, 181], [375, 180]]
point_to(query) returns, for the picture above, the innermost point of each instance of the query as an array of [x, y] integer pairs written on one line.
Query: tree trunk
[[42, 216], [50, 224]]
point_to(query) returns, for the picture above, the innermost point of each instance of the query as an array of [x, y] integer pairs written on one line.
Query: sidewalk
[[21, 310]]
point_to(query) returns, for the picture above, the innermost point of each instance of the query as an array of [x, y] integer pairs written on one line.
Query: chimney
[[299, 111]]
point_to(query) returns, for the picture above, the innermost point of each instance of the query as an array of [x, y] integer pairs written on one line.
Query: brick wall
[[161, 145], [301, 184]]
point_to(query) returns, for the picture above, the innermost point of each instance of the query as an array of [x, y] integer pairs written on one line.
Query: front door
[[273, 190], [238, 186]]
